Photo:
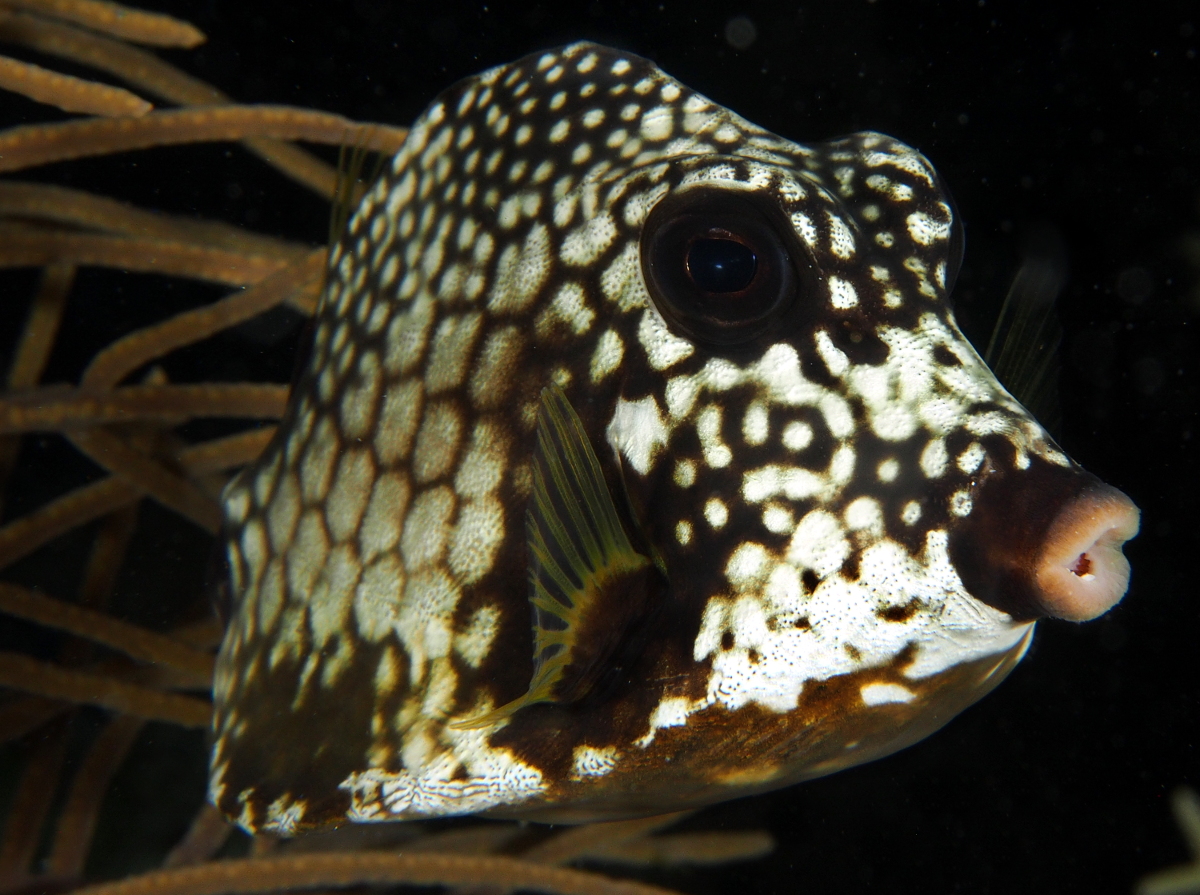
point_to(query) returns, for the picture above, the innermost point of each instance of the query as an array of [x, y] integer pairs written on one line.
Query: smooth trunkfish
[[597, 352]]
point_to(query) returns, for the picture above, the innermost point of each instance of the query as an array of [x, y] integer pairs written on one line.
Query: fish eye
[[719, 264]]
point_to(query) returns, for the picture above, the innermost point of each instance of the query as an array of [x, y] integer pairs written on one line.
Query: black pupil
[[721, 265]]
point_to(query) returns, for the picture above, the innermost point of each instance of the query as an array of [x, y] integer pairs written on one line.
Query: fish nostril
[[1081, 572]]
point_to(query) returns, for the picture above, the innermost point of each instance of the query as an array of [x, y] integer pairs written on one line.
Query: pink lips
[[1081, 572]]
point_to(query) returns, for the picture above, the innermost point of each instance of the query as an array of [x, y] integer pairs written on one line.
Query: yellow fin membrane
[[587, 584]]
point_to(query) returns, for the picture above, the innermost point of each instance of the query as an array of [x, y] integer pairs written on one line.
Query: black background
[[1034, 114]]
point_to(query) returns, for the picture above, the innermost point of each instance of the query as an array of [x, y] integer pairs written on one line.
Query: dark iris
[[721, 265]]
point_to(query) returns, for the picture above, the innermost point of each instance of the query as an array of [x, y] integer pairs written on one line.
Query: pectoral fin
[[587, 584]]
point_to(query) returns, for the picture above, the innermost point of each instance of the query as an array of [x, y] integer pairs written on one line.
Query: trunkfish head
[[639, 464]]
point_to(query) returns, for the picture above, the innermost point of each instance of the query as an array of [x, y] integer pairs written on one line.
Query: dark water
[[1056, 782]]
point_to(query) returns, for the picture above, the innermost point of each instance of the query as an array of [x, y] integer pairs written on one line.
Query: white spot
[[685, 473], [881, 694], [663, 348], [607, 356], [934, 459], [819, 543], [865, 514], [657, 124], [716, 513], [842, 293], [475, 641], [755, 428], [586, 243], [888, 470], [961, 503], [637, 431], [797, 435], [971, 458], [592, 761], [925, 230], [748, 566], [911, 513], [716, 453], [683, 532], [778, 518], [841, 240]]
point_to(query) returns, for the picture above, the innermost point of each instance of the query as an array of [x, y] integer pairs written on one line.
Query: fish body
[[639, 464]]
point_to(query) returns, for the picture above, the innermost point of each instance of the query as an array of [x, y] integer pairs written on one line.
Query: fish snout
[[1046, 542], [1080, 572]]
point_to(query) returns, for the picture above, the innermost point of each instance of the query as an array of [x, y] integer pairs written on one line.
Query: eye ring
[[720, 264]]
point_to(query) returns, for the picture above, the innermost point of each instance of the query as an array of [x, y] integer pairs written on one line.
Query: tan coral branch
[[69, 93], [99, 627], [19, 672], [78, 208], [76, 823], [41, 144], [22, 246], [23, 535], [148, 73], [120, 21], [51, 409], [151, 476], [125, 355], [256, 875]]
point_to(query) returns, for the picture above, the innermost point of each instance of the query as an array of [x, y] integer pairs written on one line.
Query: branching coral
[[131, 421]]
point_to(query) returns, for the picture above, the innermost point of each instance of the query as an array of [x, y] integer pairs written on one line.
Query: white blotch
[[663, 348], [797, 435], [637, 431], [607, 356], [474, 642], [748, 566], [971, 458], [683, 532], [881, 694], [570, 306], [671, 711], [755, 424], [925, 230], [716, 453], [819, 543], [592, 761], [835, 359], [716, 513], [778, 518], [934, 459], [842, 293], [841, 240], [961, 503], [804, 226], [586, 243]]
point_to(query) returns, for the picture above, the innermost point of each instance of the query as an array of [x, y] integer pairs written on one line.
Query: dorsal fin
[[587, 584], [1023, 349]]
